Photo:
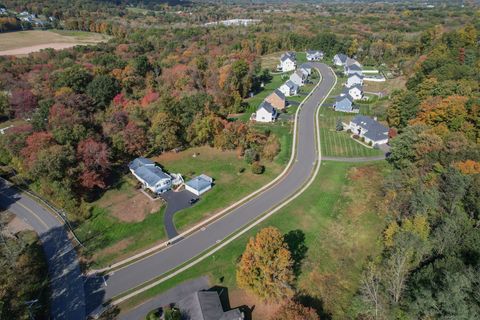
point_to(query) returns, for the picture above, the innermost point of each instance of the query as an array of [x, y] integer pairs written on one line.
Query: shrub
[[257, 168], [250, 156], [271, 148], [355, 136], [349, 131], [370, 143]]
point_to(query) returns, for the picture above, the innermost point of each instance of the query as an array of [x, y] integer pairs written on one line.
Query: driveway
[[306, 158], [171, 296], [176, 201]]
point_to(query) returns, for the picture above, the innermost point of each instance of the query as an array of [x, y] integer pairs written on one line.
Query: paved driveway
[[305, 161], [176, 201]]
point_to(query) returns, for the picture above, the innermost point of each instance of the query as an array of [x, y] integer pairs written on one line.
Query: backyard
[[336, 220], [125, 221]]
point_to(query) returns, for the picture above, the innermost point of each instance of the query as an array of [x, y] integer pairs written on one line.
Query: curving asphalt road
[[157, 264], [66, 279]]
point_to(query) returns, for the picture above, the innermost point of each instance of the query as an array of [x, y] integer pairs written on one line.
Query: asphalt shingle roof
[[151, 174], [375, 130], [139, 162], [279, 94], [199, 183], [267, 106], [206, 305]]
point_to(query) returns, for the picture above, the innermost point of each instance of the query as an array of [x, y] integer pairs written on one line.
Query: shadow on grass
[[314, 303], [295, 240]]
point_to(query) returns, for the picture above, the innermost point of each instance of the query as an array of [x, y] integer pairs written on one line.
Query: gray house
[[371, 130], [289, 88], [206, 305], [298, 77], [354, 68], [340, 59], [150, 175], [344, 104]]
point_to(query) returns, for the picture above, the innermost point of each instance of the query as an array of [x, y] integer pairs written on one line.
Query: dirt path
[[27, 50]]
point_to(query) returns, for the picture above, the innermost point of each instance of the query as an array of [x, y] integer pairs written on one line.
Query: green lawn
[[337, 217], [231, 184]]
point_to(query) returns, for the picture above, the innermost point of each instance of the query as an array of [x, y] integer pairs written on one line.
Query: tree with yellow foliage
[[266, 266]]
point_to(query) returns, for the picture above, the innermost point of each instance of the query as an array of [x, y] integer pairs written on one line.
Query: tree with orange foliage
[[266, 266], [293, 310], [468, 167]]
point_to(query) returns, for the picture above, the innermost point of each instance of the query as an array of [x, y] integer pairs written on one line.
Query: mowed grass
[[232, 176], [107, 238], [45, 38], [338, 218]]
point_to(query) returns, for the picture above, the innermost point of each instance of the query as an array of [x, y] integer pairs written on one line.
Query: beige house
[[277, 100]]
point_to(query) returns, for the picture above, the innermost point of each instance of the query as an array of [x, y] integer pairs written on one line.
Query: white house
[[354, 68], [299, 78], [371, 130], [314, 55], [289, 88], [287, 62], [305, 72], [355, 91], [150, 175], [306, 66], [344, 104], [340, 59], [265, 113], [354, 79], [199, 185]]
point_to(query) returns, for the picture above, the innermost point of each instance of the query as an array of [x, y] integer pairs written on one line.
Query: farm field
[[24, 42], [335, 219]]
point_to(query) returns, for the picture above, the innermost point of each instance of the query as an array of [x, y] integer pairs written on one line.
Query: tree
[[4, 105], [95, 164], [165, 132], [76, 78], [292, 310], [102, 89], [23, 102], [266, 266], [141, 65], [271, 148]]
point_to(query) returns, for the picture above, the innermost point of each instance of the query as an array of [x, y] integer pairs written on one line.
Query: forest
[[165, 81]]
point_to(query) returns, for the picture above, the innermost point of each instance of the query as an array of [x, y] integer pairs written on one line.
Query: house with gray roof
[[206, 305], [314, 55], [353, 68], [340, 59], [299, 78], [355, 91], [150, 175], [354, 79], [287, 62], [289, 88], [307, 66], [370, 129], [199, 185], [344, 104], [266, 112]]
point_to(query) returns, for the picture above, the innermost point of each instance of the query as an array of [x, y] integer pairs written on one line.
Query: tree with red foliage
[[22, 103], [35, 143], [295, 311], [95, 163], [134, 139]]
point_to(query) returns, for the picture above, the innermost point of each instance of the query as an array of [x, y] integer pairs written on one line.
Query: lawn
[[24, 42], [232, 177], [337, 217]]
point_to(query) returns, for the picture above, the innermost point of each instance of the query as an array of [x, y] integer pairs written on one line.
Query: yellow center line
[[34, 214]]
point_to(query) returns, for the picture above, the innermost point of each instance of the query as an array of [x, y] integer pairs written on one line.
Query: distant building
[[199, 185], [206, 305], [344, 104], [287, 62], [277, 99], [354, 79], [314, 55], [233, 22], [150, 175], [355, 91], [289, 89], [371, 130], [299, 78], [340, 59], [266, 113]]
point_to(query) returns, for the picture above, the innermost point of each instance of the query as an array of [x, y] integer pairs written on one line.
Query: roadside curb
[[145, 254]]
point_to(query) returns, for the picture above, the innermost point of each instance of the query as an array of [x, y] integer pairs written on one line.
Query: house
[[265, 112], [206, 305], [305, 72], [298, 77], [340, 59], [307, 66], [314, 55], [287, 62], [374, 132], [199, 185], [277, 99], [354, 79], [355, 91], [344, 104], [150, 175], [354, 68], [351, 62], [289, 88]]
